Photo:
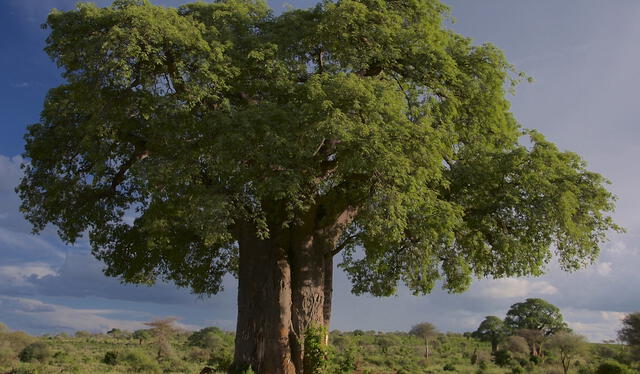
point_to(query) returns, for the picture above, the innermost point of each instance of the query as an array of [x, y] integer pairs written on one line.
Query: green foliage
[[315, 351], [37, 351], [449, 367], [355, 353], [141, 362], [424, 330], [110, 358], [491, 329], [535, 314], [142, 334], [221, 360], [502, 357], [209, 338], [569, 346], [630, 331], [208, 115], [612, 367]]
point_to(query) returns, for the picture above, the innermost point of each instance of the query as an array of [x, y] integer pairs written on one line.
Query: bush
[[140, 362], [612, 367], [197, 354], [502, 357], [315, 352], [449, 367], [110, 358], [23, 371], [517, 370], [221, 360], [208, 338], [35, 352], [6, 354]]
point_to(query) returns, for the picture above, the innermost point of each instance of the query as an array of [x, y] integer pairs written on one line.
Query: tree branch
[[119, 177]]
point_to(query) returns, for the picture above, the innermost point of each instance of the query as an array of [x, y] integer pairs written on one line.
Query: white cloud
[[10, 172], [604, 268], [18, 275], [39, 315], [23, 240], [516, 287], [596, 325]]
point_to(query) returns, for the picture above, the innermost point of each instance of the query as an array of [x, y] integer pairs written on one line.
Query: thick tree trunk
[[285, 287], [264, 306]]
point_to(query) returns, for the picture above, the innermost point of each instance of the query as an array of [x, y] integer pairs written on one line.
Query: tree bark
[[264, 306], [285, 287]]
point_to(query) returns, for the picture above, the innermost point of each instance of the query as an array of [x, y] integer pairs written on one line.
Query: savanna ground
[[351, 352]]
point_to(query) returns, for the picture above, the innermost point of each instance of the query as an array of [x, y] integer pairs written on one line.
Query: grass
[[351, 352]]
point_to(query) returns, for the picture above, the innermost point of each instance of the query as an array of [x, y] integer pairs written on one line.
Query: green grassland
[[358, 351]]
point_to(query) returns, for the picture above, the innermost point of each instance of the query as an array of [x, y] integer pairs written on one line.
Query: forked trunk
[[284, 288]]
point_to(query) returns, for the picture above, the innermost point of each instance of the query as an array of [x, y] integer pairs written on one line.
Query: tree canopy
[[492, 329], [175, 126], [630, 331], [535, 314], [569, 346], [424, 330]]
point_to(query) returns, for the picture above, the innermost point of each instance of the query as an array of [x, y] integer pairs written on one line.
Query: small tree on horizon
[[425, 331], [630, 333], [569, 346], [162, 329], [492, 329]]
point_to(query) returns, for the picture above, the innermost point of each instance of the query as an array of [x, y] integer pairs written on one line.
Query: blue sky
[[584, 58]]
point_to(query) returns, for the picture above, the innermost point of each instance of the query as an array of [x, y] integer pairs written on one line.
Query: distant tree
[[535, 314], [492, 329], [426, 331], [535, 319], [208, 338], [118, 333], [162, 329], [630, 331], [83, 334], [142, 335], [569, 346], [3, 328]]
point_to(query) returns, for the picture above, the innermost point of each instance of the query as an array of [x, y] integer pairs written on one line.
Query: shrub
[[221, 360], [35, 352], [208, 338], [23, 371], [315, 352], [483, 365], [449, 367], [140, 362], [110, 358], [612, 367], [517, 370], [502, 357], [197, 354]]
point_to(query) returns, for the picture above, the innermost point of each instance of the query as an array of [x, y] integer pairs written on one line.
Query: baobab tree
[[220, 138]]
